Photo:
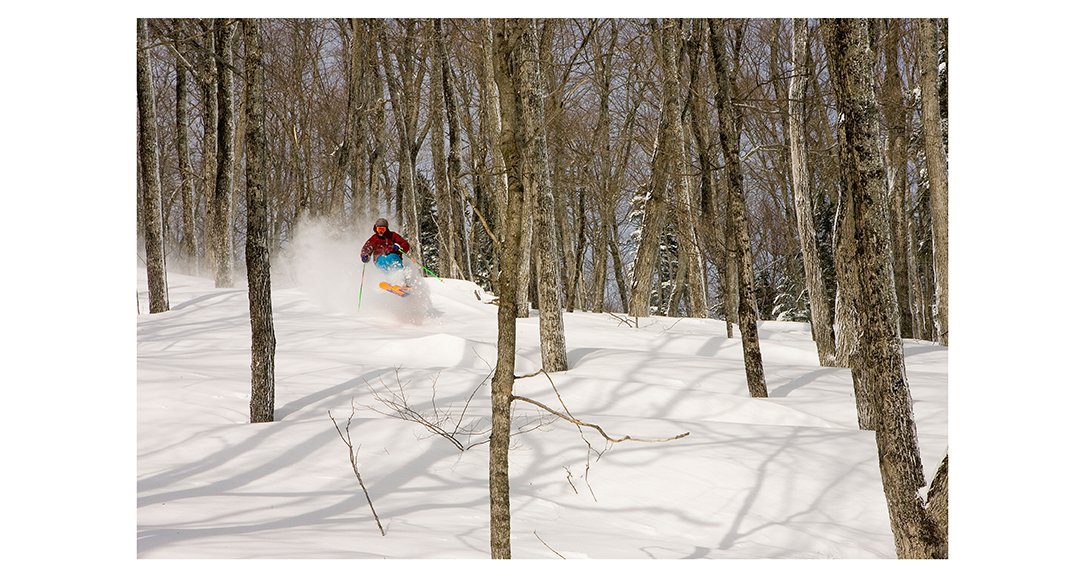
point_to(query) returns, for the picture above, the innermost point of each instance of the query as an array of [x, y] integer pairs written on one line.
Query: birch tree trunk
[[222, 260], [938, 169], [881, 354], [536, 176], [257, 250], [153, 225], [820, 311], [729, 145]]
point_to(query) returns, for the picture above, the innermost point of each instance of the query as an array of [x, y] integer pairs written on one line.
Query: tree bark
[[536, 176], [207, 76], [444, 218], [729, 134], [641, 286], [881, 352], [153, 225], [506, 40], [602, 77], [356, 131], [490, 129], [712, 222], [846, 258], [257, 250], [456, 233], [404, 86], [188, 247], [222, 260], [820, 311], [896, 133], [687, 224], [938, 169]]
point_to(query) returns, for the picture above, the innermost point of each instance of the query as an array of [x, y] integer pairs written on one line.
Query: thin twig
[[596, 427], [570, 479], [573, 420], [621, 319], [546, 544], [347, 439]]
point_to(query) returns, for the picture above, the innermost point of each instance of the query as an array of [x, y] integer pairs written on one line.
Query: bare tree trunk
[[526, 267], [896, 174], [536, 176], [208, 97], [405, 97], [226, 157], [356, 131], [712, 223], [506, 39], [938, 169], [149, 164], [257, 250], [490, 129], [444, 218], [847, 317], [820, 311], [729, 144], [687, 226], [575, 288], [649, 240], [456, 231], [378, 175], [881, 352], [602, 145], [188, 247]]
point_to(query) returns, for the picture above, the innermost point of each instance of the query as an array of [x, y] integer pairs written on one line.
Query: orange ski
[[394, 288]]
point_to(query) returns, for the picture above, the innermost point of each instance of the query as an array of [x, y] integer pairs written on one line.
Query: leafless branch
[[623, 320], [546, 544], [570, 478], [573, 420], [566, 415], [596, 427], [448, 423], [346, 437]]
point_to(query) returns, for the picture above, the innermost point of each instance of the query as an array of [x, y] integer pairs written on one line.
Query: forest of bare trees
[[739, 169]]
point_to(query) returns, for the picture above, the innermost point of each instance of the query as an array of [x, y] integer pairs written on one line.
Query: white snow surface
[[790, 476]]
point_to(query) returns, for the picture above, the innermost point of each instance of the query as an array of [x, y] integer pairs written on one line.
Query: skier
[[386, 246]]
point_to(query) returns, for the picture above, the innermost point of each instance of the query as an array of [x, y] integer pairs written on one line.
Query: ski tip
[[394, 289]]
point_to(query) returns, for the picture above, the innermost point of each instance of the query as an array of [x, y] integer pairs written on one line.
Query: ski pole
[[422, 266], [360, 294]]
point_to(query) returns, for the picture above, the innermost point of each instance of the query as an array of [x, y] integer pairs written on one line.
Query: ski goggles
[[380, 228]]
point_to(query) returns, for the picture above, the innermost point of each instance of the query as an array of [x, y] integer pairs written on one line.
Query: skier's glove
[[365, 258], [398, 248]]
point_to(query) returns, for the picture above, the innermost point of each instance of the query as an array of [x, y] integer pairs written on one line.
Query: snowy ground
[[790, 476]]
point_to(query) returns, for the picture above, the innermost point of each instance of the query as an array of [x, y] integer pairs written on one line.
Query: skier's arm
[[402, 243], [365, 252]]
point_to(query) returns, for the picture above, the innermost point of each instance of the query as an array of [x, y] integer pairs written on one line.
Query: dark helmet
[[381, 222]]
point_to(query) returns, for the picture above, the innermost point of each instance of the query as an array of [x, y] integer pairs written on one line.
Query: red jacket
[[378, 245]]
